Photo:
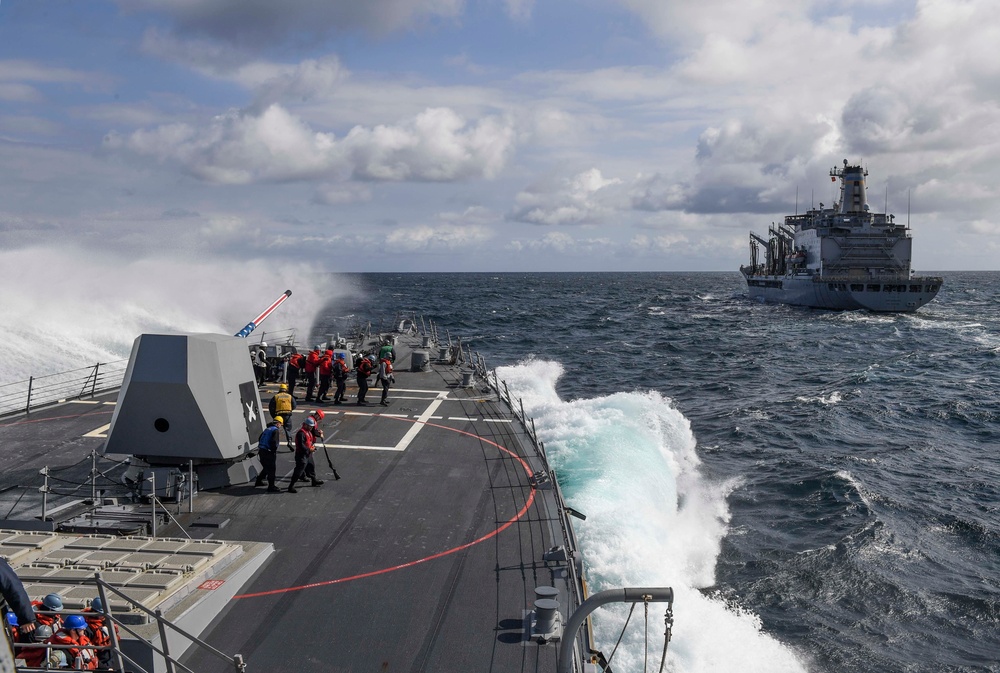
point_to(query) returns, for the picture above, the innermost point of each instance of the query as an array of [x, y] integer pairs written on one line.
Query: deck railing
[[21, 397]]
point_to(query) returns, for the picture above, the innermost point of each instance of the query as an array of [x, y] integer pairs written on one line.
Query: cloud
[[256, 25], [423, 238], [583, 199], [342, 194], [273, 145], [19, 77]]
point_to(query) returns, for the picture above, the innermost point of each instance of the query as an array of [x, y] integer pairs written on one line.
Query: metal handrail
[[162, 624], [21, 397]]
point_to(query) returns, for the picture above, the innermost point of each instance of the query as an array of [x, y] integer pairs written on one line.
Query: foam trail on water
[[62, 309], [628, 462]]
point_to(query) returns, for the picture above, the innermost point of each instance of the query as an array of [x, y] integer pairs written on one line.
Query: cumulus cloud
[[586, 198], [254, 25], [273, 145]]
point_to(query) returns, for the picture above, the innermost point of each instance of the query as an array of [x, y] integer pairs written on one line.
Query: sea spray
[[74, 310], [628, 462]]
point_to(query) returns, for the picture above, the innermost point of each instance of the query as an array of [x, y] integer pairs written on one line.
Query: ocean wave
[[629, 462]]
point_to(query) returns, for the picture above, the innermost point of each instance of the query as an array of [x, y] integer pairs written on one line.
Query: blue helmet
[[52, 602], [11, 619], [97, 605], [75, 622]]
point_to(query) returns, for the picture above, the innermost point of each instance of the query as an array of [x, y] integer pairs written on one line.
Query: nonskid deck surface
[[424, 556]]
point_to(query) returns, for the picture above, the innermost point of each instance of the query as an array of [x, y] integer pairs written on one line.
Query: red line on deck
[[408, 564]]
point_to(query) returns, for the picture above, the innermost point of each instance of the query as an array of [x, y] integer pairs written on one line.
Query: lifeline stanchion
[[152, 500], [45, 492]]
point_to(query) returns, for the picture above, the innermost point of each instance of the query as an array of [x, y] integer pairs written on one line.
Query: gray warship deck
[[424, 556]]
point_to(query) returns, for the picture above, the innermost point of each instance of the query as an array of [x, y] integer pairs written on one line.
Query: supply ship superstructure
[[841, 257]]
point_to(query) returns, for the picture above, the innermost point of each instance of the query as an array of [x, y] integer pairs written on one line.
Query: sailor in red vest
[[340, 376], [364, 371], [385, 377], [305, 447], [296, 366], [312, 363], [325, 374]]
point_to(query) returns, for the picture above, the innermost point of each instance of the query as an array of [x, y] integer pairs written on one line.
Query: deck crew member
[[52, 603], [267, 452], [312, 363], [385, 377], [97, 631], [364, 371], [305, 446], [282, 405], [74, 632], [387, 350], [39, 657], [260, 364], [325, 375], [296, 365], [340, 378], [17, 599]]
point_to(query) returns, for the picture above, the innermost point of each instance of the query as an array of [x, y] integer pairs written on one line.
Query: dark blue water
[[822, 488]]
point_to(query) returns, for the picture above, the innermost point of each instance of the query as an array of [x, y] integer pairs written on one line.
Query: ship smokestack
[[853, 197]]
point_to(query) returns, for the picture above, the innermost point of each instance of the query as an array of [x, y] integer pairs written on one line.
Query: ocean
[[820, 489]]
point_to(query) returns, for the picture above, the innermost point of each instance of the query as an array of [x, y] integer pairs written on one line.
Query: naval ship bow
[[842, 257], [440, 540]]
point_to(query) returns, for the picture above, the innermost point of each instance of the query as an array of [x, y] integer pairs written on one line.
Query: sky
[[489, 135]]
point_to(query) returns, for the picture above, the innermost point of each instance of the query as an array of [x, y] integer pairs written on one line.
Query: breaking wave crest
[[628, 462]]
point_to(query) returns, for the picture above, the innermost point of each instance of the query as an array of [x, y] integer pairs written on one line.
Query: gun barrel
[[252, 325]]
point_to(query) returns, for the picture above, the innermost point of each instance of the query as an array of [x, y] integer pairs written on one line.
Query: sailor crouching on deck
[[73, 632], [305, 447], [267, 447]]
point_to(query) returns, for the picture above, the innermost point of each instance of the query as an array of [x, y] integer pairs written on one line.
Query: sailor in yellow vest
[[282, 405]]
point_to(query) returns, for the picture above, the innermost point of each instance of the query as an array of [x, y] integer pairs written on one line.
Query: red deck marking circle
[[507, 524]]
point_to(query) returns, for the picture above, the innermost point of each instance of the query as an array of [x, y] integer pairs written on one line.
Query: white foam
[[628, 462], [63, 308]]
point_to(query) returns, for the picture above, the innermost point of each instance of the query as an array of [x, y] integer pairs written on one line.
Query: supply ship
[[842, 257], [437, 539]]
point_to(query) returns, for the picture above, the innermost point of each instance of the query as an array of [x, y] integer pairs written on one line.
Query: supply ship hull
[[841, 258], [444, 545]]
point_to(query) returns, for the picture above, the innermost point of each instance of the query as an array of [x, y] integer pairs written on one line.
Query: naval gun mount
[[189, 402]]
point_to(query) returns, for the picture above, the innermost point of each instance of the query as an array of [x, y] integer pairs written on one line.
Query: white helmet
[[263, 344]]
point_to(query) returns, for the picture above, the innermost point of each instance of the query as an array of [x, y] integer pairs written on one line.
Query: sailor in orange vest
[[97, 630], [74, 632], [51, 603], [39, 657]]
